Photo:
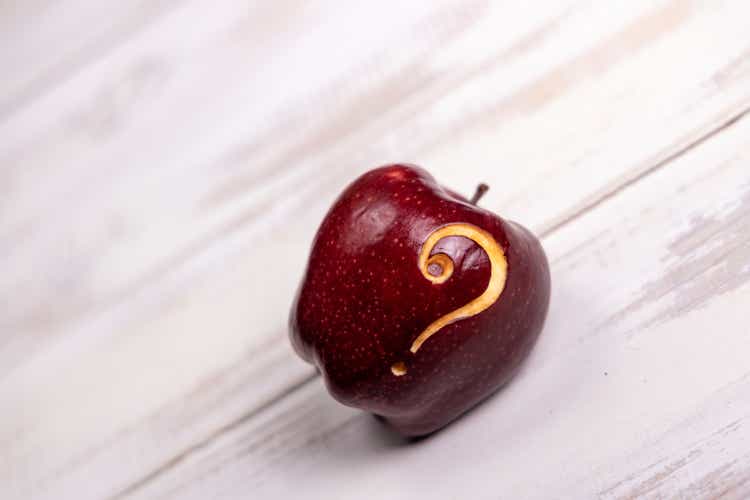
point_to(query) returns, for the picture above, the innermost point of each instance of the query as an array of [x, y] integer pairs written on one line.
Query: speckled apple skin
[[363, 301]]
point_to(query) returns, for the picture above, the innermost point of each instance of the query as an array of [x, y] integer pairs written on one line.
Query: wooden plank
[[43, 42], [168, 282], [704, 456], [653, 403]]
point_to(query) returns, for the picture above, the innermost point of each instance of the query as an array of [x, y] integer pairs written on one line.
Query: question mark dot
[[398, 369]]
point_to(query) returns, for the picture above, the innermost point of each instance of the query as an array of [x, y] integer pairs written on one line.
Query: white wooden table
[[164, 165]]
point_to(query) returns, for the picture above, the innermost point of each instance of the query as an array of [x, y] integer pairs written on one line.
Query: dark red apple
[[417, 304]]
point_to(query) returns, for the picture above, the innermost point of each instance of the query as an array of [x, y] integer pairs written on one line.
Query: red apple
[[417, 304]]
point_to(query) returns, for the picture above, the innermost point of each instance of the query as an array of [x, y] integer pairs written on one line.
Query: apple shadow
[[393, 438]]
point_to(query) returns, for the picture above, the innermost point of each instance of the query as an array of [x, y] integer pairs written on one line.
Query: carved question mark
[[438, 269]]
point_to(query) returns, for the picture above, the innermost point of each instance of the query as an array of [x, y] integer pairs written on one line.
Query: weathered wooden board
[[162, 173]]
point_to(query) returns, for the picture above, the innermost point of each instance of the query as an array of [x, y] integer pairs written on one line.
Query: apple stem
[[481, 189]]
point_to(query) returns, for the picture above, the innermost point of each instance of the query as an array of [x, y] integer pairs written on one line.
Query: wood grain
[[163, 174], [42, 43]]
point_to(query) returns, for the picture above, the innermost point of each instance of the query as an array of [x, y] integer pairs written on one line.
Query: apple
[[416, 303]]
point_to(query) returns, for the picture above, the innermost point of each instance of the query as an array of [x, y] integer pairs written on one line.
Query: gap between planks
[[643, 174]]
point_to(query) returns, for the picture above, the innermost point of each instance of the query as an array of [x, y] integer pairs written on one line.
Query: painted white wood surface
[[164, 165]]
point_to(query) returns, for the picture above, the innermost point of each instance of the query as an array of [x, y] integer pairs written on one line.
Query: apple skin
[[363, 301]]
